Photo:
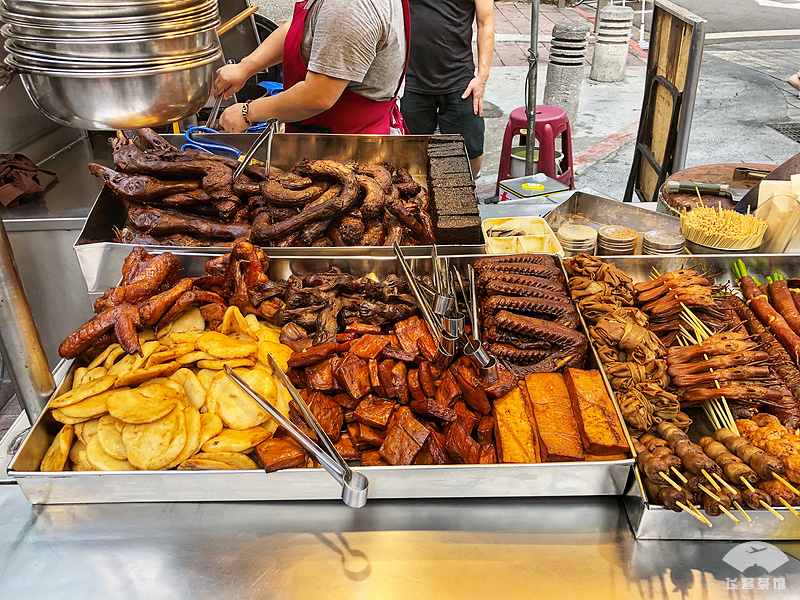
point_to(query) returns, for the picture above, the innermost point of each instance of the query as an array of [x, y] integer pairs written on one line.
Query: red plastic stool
[[551, 122]]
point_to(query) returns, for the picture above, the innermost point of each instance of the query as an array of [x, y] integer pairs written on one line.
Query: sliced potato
[[84, 431], [195, 392], [234, 459], [230, 440], [62, 418], [279, 351], [100, 359], [210, 426], [93, 374], [189, 320], [132, 406], [132, 362], [147, 335], [102, 461], [180, 375], [110, 438], [148, 445], [237, 410], [185, 337], [233, 322], [83, 391], [94, 406], [77, 376], [193, 357], [204, 376], [168, 353], [112, 358], [199, 464], [233, 363], [146, 373], [178, 442], [77, 446], [226, 348], [192, 445], [57, 454], [81, 463]]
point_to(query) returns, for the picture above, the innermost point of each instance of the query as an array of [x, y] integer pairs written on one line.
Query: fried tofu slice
[[556, 428], [513, 428], [598, 423]]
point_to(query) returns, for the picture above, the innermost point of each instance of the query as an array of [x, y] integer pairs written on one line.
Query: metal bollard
[[611, 46], [20, 345], [566, 66]]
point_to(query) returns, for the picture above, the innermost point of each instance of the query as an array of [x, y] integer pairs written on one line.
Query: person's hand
[[476, 87], [230, 79], [231, 119]]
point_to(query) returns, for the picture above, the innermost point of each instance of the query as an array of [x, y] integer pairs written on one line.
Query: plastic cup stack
[[663, 242], [616, 240], [577, 239]]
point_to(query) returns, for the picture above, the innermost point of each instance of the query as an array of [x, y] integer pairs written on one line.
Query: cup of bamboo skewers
[[713, 231]]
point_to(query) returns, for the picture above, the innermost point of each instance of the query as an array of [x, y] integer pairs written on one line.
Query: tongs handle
[[267, 134]]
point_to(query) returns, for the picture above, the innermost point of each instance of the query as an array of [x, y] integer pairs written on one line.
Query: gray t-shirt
[[362, 41]]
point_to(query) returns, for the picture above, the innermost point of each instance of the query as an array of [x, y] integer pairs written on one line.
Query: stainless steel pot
[[140, 47], [72, 32], [56, 19], [119, 98], [95, 8], [48, 60]]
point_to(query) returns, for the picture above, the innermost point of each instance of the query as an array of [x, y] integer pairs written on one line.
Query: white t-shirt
[[362, 41]]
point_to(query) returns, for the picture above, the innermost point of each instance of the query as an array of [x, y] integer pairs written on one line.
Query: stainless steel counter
[[389, 549]]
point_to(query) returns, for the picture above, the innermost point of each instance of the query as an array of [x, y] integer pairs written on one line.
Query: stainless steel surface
[[101, 259], [416, 481], [137, 46], [503, 548], [595, 211], [94, 8], [103, 99], [23, 356], [656, 522]]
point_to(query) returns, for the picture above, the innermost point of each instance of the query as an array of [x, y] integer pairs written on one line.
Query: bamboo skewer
[[696, 515], [730, 515], [786, 483], [679, 475], [772, 510], [670, 481], [741, 510], [710, 480], [790, 507], [700, 515], [709, 492], [747, 483]]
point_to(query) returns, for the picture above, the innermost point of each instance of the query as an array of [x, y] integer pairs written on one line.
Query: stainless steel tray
[[654, 522], [595, 211], [445, 481], [101, 259]]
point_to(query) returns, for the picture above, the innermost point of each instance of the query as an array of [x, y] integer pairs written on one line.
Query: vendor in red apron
[[343, 62]]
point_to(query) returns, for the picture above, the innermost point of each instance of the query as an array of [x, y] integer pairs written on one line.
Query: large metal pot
[[51, 60], [140, 47], [78, 32], [119, 98], [95, 8], [198, 10]]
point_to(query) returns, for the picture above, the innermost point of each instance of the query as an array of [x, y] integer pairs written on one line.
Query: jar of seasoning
[[659, 241], [577, 239], [616, 240]]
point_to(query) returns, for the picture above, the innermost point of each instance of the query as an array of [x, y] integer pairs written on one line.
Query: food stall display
[[363, 361], [737, 366]]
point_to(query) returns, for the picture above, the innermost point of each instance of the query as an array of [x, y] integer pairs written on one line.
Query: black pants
[[423, 112]]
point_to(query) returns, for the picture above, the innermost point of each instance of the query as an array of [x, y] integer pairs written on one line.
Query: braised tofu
[[513, 428], [600, 429], [556, 428]]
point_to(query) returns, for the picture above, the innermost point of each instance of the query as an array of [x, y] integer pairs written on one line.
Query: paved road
[[747, 15]]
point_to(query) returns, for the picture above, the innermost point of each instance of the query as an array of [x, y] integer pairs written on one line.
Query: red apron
[[352, 112]]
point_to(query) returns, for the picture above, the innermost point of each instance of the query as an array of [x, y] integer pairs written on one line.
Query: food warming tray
[[654, 522], [101, 259], [415, 481]]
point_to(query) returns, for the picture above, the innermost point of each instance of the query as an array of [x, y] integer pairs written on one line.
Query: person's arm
[[231, 78], [484, 18], [315, 94]]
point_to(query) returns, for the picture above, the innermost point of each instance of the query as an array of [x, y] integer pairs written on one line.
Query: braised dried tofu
[[460, 447], [600, 458], [556, 428], [599, 426], [513, 430], [328, 414], [280, 453]]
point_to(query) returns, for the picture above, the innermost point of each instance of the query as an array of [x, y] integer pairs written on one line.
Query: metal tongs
[[355, 486], [272, 126], [447, 342], [473, 348]]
